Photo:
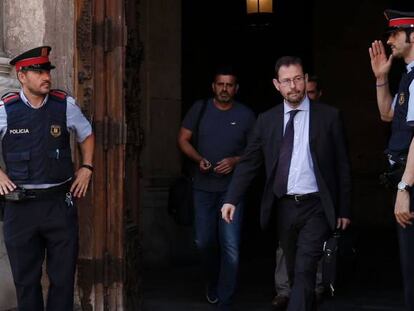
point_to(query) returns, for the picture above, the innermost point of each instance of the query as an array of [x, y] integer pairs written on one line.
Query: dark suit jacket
[[329, 155]]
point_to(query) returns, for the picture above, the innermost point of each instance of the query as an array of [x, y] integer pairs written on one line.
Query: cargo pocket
[[18, 165], [60, 165]]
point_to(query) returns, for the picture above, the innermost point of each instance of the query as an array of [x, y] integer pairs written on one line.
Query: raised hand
[[380, 63]]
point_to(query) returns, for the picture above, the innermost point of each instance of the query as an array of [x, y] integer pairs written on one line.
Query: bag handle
[[197, 125]]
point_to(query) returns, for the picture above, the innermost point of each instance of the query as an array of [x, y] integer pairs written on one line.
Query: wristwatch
[[403, 186]]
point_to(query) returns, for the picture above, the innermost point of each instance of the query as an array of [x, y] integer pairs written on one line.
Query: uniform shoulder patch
[[59, 94], [10, 97]]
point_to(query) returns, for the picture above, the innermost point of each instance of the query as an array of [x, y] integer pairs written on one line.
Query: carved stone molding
[[2, 54], [84, 42], [134, 59], [84, 38], [7, 83]]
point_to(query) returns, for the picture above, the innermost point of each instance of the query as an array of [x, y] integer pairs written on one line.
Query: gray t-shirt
[[221, 134]]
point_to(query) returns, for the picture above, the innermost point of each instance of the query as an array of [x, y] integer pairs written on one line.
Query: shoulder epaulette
[[59, 94], [10, 97]]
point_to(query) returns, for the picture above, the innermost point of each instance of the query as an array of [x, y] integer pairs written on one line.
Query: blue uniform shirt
[[75, 120], [402, 123]]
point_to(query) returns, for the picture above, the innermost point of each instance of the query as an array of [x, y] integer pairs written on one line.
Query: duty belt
[[22, 194]]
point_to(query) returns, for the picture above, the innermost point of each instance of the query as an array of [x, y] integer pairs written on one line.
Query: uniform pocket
[[18, 165], [60, 164]]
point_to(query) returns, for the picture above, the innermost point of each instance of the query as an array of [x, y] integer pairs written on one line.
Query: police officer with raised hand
[[39, 181], [400, 111]]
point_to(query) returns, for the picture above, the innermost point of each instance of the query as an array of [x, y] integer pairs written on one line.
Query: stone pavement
[[371, 283], [7, 291], [180, 289]]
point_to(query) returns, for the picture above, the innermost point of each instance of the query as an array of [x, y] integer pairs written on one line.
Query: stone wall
[[31, 23]]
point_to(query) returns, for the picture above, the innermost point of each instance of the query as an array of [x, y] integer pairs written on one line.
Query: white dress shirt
[[301, 174]]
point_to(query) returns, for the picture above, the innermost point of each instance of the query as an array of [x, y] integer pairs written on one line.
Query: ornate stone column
[[7, 83]]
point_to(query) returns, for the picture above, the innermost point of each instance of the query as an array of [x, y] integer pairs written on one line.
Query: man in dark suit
[[308, 182]]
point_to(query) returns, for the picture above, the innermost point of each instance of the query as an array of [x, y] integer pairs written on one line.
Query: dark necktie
[[285, 157]]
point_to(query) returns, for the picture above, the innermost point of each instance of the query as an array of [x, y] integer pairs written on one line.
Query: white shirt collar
[[26, 101], [410, 66], [304, 105]]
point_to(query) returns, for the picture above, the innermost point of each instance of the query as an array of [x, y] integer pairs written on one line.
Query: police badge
[[401, 99], [55, 130]]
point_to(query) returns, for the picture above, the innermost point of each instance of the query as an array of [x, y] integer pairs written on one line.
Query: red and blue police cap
[[398, 20], [34, 59]]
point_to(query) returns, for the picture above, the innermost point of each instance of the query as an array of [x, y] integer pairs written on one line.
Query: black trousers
[[406, 243], [36, 229], [302, 228]]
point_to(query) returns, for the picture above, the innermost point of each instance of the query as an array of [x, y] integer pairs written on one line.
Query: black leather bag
[[180, 194], [338, 259], [329, 261]]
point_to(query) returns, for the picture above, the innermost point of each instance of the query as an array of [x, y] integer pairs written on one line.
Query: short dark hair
[[224, 70], [287, 61], [315, 78], [408, 32]]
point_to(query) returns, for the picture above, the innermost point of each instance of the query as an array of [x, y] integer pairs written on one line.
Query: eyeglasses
[[295, 80]]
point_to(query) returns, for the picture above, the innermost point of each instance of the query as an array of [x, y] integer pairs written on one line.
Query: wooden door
[[99, 75]]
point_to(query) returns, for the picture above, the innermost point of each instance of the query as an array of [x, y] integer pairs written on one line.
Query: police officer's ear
[[21, 76], [411, 38], [306, 78]]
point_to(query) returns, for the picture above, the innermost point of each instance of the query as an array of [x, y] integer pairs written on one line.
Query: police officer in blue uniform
[[39, 182], [400, 111]]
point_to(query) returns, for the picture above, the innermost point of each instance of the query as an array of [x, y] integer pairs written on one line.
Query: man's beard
[[223, 99], [400, 52], [295, 97], [40, 91]]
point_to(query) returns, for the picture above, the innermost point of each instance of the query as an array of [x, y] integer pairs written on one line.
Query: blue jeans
[[218, 243]]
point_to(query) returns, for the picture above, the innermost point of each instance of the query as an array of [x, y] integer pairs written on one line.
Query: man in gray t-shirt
[[222, 134]]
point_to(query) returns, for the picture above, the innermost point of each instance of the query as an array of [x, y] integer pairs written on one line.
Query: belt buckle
[[296, 197]]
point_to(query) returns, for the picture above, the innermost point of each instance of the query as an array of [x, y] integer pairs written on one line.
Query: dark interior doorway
[[217, 32]]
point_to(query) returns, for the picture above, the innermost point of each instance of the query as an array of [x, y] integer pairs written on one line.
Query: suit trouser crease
[[218, 243], [36, 229], [282, 286], [302, 229]]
